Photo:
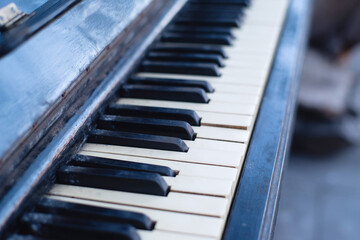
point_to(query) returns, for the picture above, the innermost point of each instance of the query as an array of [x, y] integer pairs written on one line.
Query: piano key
[[160, 235], [170, 128], [55, 227], [259, 13], [220, 22], [207, 118], [23, 237], [200, 30], [137, 140], [224, 134], [186, 115], [225, 2], [75, 210], [121, 180], [248, 77], [206, 86], [226, 120], [203, 49], [210, 144], [183, 169], [251, 86], [198, 185], [221, 10], [165, 221], [257, 33], [95, 162], [186, 57], [207, 69], [184, 94], [212, 13], [215, 107], [199, 143], [235, 98], [218, 95], [199, 156], [213, 38], [244, 61], [202, 186], [175, 202]]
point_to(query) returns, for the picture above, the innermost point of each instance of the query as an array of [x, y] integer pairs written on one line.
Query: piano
[[146, 119]]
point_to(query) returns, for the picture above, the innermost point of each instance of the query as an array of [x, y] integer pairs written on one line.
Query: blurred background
[[320, 196]]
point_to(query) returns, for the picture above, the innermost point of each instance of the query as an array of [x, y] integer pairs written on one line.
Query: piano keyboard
[[165, 158]]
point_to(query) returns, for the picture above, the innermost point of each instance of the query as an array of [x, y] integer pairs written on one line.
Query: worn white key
[[209, 144], [235, 98], [245, 60], [202, 186], [183, 169], [219, 133], [226, 120], [232, 108], [246, 89], [165, 220], [175, 202], [162, 235], [200, 156]]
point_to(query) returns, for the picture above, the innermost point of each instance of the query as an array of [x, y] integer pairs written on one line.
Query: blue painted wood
[[24, 5], [253, 212], [38, 73]]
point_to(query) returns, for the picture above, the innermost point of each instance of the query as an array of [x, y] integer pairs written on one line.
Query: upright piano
[[146, 119]]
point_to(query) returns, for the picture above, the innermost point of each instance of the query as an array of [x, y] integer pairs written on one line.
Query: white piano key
[[183, 169], [209, 144], [256, 33], [175, 202], [200, 156], [217, 107], [161, 235], [259, 13], [242, 60], [202, 186], [226, 120], [225, 134], [234, 98], [165, 221], [246, 89]]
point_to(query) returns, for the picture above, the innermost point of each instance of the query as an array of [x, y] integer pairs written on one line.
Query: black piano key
[[186, 57], [222, 2], [211, 12], [163, 47], [186, 115], [205, 85], [220, 39], [23, 237], [183, 94], [56, 227], [220, 9], [74, 210], [212, 16], [118, 180], [137, 140], [206, 69], [200, 30], [219, 22], [162, 127], [97, 162]]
